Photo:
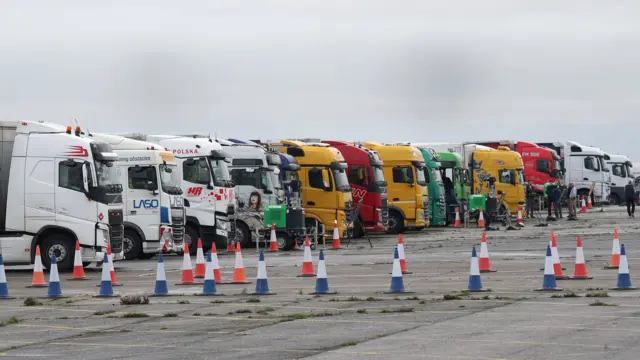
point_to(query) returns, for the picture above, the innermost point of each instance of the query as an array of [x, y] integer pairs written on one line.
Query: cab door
[[319, 198], [142, 206]]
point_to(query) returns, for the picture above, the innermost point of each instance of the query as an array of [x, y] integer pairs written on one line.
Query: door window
[[356, 176], [140, 177], [315, 179], [591, 163], [403, 174], [70, 176], [507, 176], [196, 172]]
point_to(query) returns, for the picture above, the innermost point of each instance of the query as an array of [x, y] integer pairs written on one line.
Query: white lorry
[[57, 187], [154, 215], [621, 173], [584, 166], [206, 184]]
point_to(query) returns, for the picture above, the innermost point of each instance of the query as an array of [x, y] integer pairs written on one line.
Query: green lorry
[[437, 203], [455, 177]]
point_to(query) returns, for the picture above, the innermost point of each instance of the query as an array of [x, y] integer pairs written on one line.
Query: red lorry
[[364, 171], [541, 164]]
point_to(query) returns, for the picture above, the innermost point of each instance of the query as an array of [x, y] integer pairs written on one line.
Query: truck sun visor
[[219, 155], [338, 165], [102, 152], [418, 164]]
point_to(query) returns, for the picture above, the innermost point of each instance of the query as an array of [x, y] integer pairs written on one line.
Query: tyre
[[191, 238], [63, 246], [396, 223], [285, 242], [243, 235], [132, 244]]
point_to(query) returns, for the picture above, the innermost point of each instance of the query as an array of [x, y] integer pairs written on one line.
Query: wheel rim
[[60, 251], [392, 222], [127, 244], [282, 242]]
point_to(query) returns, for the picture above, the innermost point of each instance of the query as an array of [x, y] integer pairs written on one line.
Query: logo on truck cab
[[147, 204], [194, 191], [77, 150]]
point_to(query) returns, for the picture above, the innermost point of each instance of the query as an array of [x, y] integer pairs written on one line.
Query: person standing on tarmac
[[530, 196], [558, 200], [573, 198], [630, 195]]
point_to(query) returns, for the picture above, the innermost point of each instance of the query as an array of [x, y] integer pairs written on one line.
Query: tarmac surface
[[439, 320]]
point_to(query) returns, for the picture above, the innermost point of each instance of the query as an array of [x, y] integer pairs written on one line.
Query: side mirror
[[500, 192], [151, 186], [325, 180], [240, 204], [606, 170], [209, 186], [85, 178]]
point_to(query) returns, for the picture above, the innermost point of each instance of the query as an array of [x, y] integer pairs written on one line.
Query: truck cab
[[366, 178], [621, 173], [57, 187], [404, 168], [437, 200], [153, 206], [206, 184], [456, 180]]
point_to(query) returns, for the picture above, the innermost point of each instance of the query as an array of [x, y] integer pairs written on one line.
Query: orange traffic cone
[[114, 280], [615, 252], [519, 220], [38, 271], [230, 246], [401, 256], [307, 263], [457, 221], [273, 241], [481, 220], [78, 269], [335, 242], [200, 264], [216, 265], [238, 270], [589, 204], [580, 269], [583, 207], [557, 267], [187, 268], [484, 263], [295, 245]]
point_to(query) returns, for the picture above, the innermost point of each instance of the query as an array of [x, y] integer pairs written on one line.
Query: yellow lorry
[[326, 193], [404, 169]]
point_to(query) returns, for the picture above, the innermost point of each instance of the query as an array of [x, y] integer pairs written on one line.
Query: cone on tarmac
[[216, 266], [402, 257], [55, 290], [239, 276], [187, 269], [624, 279], [201, 267], [38, 271], [580, 269], [549, 281], [161, 278], [456, 223], [519, 221], [4, 289], [78, 269], [335, 242], [481, 219], [262, 284], [209, 287], [615, 252], [583, 207], [307, 262], [273, 240], [475, 283], [230, 246], [106, 289], [589, 204], [557, 267], [322, 283], [114, 280], [484, 263], [397, 283]]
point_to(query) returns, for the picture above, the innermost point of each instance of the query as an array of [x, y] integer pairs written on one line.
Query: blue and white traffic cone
[[161, 278], [209, 288], [322, 284], [55, 290], [549, 282], [262, 284], [624, 279], [4, 290], [475, 283], [106, 287], [397, 284]]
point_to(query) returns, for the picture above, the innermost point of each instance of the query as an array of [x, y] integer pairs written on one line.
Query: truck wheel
[[285, 242], [396, 223], [243, 235], [614, 199], [191, 238], [132, 244], [63, 247]]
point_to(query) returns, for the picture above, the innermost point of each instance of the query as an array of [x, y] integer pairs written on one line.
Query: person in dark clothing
[[551, 200], [558, 201], [530, 195], [630, 195]]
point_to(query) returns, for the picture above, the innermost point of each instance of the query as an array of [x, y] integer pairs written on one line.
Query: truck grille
[[117, 230], [348, 208], [232, 232], [177, 228], [426, 207], [384, 212]]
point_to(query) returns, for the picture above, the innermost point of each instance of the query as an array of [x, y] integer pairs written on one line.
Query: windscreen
[[169, 177], [378, 174], [342, 182], [107, 173], [220, 170], [420, 178], [521, 178]]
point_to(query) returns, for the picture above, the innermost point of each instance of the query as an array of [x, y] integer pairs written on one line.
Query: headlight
[[223, 225], [102, 237]]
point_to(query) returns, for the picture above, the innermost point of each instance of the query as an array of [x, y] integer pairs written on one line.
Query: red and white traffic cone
[[615, 252], [216, 265], [401, 256], [484, 263], [519, 221], [201, 266], [230, 246], [481, 219], [307, 263], [239, 276], [456, 223], [580, 269], [583, 207], [114, 279], [273, 240], [187, 268], [78, 269], [38, 271], [335, 242], [557, 267], [589, 204]]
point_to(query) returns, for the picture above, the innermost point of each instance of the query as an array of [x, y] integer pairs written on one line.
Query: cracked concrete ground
[[512, 321]]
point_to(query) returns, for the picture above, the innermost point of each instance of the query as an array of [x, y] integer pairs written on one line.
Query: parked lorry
[[206, 185], [404, 168], [621, 173], [584, 167], [541, 164], [456, 180], [366, 178], [57, 187], [153, 206], [325, 188], [437, 200], [483, 163]]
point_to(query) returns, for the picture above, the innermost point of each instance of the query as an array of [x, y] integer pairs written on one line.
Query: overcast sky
[[357, 70]]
